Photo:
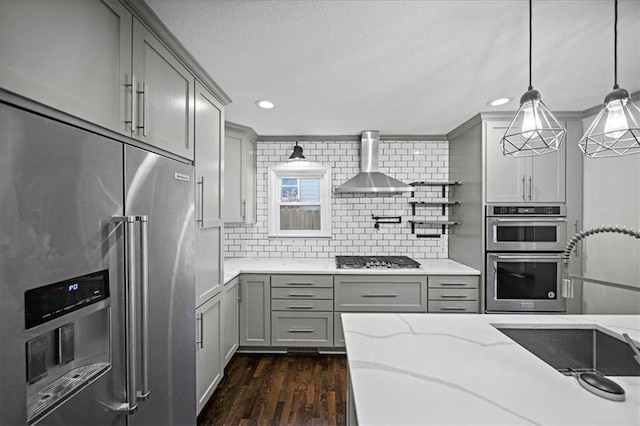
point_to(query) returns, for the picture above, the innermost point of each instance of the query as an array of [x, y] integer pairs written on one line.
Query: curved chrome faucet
[[567, 283]]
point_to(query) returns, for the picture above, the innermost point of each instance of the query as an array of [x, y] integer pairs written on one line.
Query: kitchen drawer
[[301, 305], [338, 332], [302, 329], [454, 281], [453, 306], [301, 280], [453, 293], [357, 293], [301, 293]]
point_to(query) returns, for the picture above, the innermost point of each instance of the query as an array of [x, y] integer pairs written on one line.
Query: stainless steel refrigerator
[[97, 278]]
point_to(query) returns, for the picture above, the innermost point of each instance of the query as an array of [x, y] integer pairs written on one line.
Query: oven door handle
[[528, 257], [528, 220]]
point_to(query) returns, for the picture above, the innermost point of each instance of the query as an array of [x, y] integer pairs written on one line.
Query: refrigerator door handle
[[131, 403], [143, 393]]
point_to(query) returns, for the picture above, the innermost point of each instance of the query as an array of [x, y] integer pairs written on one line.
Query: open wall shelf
[[444, 202]]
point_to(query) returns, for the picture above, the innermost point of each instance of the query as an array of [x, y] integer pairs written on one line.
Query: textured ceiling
[[401, 67]]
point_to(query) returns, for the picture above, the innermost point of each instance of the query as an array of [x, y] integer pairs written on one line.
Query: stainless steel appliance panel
[[524, 282], [59, 189], [526, 234], [162, 189]]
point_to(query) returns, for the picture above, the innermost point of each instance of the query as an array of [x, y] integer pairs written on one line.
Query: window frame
[[297, 170]]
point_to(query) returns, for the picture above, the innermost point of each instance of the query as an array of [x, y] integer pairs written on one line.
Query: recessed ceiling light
[[264, 104], [498, 102]]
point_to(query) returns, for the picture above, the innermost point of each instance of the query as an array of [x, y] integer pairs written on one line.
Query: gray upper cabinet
[[209, 134], [209, 116], [239, 174], [95, 61], [527, 179], [74, 56], [164, 95]]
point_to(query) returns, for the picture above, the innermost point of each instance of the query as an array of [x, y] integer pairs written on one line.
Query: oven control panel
[[556, 210]]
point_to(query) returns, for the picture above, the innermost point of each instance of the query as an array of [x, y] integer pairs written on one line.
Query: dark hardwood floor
[[292, 389]]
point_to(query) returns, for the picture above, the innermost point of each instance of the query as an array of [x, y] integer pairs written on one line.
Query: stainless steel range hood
[[370, 179]]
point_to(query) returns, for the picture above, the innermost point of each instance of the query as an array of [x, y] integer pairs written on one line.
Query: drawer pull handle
[[299, 283], [301, 330], [301, 295], [380, 295], [458, 284], [453, 308], [300, 307], [454, 296]]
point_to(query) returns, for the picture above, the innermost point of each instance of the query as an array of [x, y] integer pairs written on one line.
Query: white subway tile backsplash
[[352, 230]]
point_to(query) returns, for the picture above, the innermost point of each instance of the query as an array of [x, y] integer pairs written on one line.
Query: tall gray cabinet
[[476, 160]]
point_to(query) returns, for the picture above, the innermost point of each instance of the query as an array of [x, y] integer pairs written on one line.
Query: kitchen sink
[[570, 350]]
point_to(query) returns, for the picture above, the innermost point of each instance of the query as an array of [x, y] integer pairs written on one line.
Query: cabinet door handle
[[131, 85], [201, 341], [524, 188], [453, 308], [145, 95], [201, 184], [244, 209], [301, 330], [530, 187], [301, 295], [380, 295]]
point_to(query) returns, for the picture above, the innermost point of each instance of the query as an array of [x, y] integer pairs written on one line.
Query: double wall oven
[[524, 245]]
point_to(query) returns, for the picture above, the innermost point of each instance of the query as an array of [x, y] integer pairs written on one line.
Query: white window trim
[[304, 170]]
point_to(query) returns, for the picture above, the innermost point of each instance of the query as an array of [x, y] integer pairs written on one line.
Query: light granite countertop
[[452, 369], [251, 265]]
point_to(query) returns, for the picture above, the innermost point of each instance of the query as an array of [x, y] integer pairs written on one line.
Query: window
[[299, 200]]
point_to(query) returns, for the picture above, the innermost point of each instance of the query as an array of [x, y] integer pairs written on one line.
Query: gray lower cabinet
[[380, 293], [230, 320], [454, 294], [255, 310], [296, 329], [302, 310], [338, 331], [209, 365]]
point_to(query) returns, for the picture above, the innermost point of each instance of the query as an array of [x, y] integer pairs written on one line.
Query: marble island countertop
[[422, 369], [234, 266]]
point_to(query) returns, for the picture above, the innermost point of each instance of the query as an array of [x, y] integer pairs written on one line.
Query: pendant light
[[297, 153], [615, 131], [534, 130]]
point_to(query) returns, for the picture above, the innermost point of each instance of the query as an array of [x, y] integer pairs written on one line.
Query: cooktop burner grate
[[375, 262]]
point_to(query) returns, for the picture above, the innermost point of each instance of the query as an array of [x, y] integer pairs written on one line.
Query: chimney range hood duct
[[370, 180]]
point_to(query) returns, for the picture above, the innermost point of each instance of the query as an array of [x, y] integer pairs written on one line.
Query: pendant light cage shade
[[533, 131], [614, 132]]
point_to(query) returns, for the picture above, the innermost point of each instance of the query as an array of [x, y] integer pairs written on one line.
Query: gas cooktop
[[375, 262]]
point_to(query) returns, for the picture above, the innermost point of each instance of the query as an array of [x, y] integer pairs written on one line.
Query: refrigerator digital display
[[51, 301]]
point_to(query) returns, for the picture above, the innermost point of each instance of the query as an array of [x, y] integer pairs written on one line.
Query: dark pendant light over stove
[[297, 153], [534, 130], [615, 131]]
